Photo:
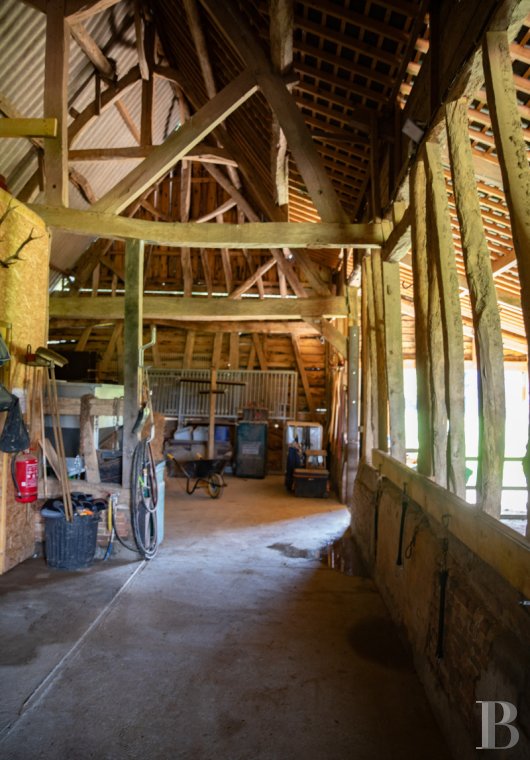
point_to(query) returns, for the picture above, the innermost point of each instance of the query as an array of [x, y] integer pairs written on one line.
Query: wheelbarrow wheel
[[215, 485]]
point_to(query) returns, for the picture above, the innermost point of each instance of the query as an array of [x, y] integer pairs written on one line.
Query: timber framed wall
[[454, 576]]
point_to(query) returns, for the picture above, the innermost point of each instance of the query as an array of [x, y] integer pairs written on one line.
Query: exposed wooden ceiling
[[137, 71]]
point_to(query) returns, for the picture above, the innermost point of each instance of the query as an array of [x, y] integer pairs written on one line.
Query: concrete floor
[[235, 643]]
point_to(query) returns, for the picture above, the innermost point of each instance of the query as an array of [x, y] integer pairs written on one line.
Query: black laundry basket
[[70, 545]]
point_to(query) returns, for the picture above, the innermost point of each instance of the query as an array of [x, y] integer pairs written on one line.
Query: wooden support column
[[233, 355], [486, 319], [188, 349], [420, 270], [217, 349], [375, 181], [372, 423], [56, 103], [211, 414], [394, 359], [442, 247], [134, 274], [511, 148], [436, 361], [353, 397], [382, 386], [367, 441], [87, 447]]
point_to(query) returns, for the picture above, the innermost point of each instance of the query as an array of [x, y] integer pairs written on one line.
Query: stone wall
[[486, 641]]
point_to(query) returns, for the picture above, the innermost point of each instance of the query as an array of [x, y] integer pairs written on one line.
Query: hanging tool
[[46, 357], [146, 409]]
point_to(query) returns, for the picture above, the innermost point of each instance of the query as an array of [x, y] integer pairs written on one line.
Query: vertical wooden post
[[56, 104], [367, 441], [372, 424], [375, 181], [233, 351], [211, 414], [511, 147], [87, 447], [486, 319], [133, 339], [394, 359], [437, 362], [353, 396], [217, 349], [442, 247], [418, 199], [382, 386], [187, 359]]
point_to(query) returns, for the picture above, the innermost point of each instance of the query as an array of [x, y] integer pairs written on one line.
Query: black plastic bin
[[70, 545]]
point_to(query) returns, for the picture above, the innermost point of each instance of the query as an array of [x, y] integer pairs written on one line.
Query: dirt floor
[[237, 642]]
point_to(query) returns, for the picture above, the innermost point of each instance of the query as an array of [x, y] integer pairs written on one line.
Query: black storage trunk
[[70, 545], [251, 449], [310, 483]]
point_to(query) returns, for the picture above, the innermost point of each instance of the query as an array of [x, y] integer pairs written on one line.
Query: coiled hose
[[144, 498]]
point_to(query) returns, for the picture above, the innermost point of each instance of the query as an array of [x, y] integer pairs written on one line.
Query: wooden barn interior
[[269, 259]]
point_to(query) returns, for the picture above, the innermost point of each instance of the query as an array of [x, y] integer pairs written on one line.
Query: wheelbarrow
[[204, 473]]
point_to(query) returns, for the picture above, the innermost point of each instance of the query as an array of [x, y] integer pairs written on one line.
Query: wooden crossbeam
[[28, 127], [252, 235], [201, 309]]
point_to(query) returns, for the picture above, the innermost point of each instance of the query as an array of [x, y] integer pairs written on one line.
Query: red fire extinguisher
[[25, 472]]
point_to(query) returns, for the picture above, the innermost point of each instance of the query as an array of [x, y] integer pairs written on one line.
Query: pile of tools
[[48, 360]]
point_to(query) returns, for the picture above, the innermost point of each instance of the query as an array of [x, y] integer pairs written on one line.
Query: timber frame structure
[[233, 172]]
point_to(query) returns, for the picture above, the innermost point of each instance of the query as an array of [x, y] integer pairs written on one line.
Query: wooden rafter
[[92, 50], [281, 16], [284, 107], [166, 155]]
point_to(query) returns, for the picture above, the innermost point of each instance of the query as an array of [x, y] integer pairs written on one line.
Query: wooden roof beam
[[81, 10], [281, 19], [203, 56], [93, 52], [201, 309], [251, 235], [177, 145], [241, 37]]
